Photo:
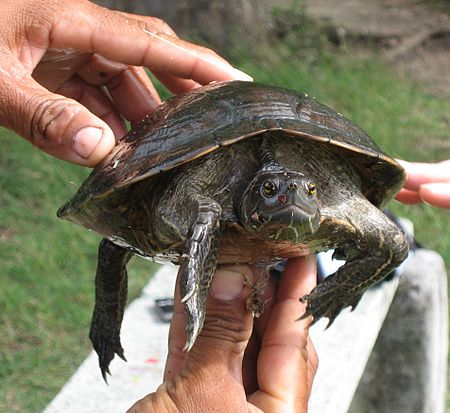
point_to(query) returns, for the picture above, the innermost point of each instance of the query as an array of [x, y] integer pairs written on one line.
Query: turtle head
[[280, 205]]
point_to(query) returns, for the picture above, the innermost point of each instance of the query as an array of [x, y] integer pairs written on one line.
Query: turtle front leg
[[198, 269], [380, 248], [110, 298]]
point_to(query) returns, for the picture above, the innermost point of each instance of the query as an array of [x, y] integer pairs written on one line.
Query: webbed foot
[[105, 338], [328, 302]]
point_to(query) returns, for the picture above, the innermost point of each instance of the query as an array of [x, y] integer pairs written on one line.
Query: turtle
[[238, 172]]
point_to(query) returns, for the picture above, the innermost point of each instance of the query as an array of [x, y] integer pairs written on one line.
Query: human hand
[[230, 369], [57, 58], [426, 182]]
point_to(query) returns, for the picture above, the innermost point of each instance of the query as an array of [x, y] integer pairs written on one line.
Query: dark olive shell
[[194, 124]]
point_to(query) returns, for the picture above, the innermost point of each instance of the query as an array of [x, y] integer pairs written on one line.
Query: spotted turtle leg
[[200, 264], [110, 298], [382, 247]]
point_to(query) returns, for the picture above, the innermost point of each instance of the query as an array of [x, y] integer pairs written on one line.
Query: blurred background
[[383, 64]]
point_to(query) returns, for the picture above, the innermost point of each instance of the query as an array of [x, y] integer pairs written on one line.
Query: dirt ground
[[413, 36]]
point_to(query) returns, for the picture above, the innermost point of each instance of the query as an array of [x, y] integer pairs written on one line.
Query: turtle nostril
[[292, 186], [282, 199]]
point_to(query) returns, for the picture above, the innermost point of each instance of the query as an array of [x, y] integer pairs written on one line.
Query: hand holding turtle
[[59, 57], [270, 370], [426, 182]]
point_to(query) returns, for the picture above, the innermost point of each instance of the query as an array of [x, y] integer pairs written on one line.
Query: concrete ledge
[[345, 347], [407, 370]]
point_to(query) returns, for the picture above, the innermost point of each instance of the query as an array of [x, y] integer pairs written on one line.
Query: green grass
[[47, 265]]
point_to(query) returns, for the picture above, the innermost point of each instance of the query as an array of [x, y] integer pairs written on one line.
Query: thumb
[[219, 349], [55, 124]]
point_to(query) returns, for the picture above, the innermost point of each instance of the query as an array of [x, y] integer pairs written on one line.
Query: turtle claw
[[323, 304], [355, 301], [105, 371], [192, 334], [188, 295], [195, 314], [119, 352]]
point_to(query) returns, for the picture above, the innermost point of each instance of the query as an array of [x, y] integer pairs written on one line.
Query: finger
[[436, 194], [153, 23], [283, 362], [175, 84], [250, 363], [418, 173], [219, 349], [130, 88], [177, 336], [313, 363], [408, 197], [95, 29], [58, 125], [57, 66], [96, 101], [134, 94], [249, 369]]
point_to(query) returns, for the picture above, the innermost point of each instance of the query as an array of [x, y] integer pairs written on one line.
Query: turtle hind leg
[[110, 298], [384, 249], [198, 269]]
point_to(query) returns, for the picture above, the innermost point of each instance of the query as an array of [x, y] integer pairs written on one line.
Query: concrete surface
[[407, 370], [345, 347]]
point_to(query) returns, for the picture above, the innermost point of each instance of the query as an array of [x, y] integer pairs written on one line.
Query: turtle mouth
[[291, 222]]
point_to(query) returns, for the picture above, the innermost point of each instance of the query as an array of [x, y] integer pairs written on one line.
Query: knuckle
[[155, 25], [49, 122], [228, 330]]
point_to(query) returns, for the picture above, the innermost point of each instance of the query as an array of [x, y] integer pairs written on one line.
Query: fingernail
[[227, 284], [86, 140], [240, 75]]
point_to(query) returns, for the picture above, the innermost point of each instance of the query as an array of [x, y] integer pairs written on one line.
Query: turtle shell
[[194, 124]]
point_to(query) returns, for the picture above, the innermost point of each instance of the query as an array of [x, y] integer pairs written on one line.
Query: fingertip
[[407, 196], [240, 75], [436, 194], [91, 144], [228, 282], [404, 164]]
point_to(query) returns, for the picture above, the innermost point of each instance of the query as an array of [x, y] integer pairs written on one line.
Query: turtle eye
[[269, 189], [311, 188]]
